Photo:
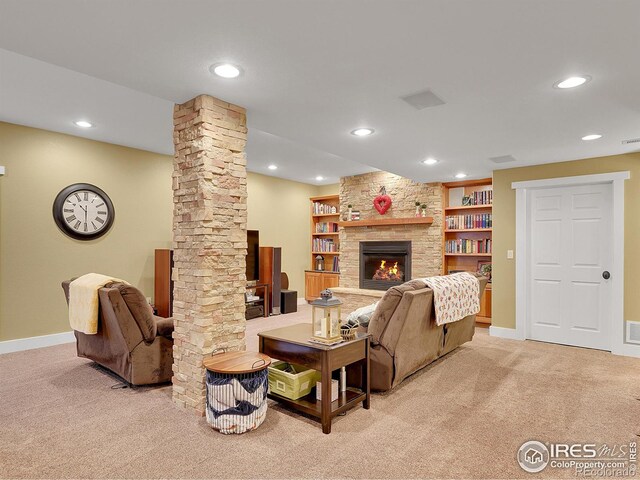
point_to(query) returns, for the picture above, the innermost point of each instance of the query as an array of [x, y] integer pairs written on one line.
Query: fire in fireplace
[[384, 264], [386, 273]]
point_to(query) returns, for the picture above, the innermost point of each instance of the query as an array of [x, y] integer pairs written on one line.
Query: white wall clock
[[83, 211]]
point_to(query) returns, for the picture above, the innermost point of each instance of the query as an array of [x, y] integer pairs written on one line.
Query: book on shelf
[[467, 245], [322, 208], [326, 227], [336, 265], [482, 197], [459, 222], [324, 245]]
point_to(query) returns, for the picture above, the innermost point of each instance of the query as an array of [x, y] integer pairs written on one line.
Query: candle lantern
[[320, 263], [326, 318]]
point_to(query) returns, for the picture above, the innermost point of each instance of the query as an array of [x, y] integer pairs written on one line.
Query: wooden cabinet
[[484, 316], [315, 282]]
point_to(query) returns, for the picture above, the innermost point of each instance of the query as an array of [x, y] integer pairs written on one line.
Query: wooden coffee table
[[291, 344]]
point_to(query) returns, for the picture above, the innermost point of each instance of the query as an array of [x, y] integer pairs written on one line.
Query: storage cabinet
[[315, 282], [485, 307]]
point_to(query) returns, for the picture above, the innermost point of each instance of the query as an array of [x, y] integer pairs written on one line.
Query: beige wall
[[35, 256], [504, 236], [332, 189], [280, 210]]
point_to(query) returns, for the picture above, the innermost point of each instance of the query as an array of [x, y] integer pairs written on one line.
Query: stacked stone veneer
[[426, 240], [209, 242]]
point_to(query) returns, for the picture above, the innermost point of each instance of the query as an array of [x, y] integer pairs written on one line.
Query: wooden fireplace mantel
[[383, 222]]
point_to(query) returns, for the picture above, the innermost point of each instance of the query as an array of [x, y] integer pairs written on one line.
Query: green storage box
[[291, 380]]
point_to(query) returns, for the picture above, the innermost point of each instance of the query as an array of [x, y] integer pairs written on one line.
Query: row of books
[[457, 222], [466, 245], [336, 264], [326, 227], [324, 245], [322, 208], [484, 197]]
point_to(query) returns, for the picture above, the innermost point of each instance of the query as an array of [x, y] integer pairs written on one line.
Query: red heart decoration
[[382, 203]]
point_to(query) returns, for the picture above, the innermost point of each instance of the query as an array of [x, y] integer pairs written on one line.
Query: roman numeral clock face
[[83, 211]]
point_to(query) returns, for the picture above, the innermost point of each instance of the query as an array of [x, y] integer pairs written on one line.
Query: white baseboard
[[510, 333], [627, 350], [36, 342]]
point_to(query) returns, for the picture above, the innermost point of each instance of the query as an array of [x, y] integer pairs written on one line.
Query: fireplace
[[384, 264]]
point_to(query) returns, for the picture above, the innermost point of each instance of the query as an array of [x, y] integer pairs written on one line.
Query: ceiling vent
[[422, 100], [631, 141], [503, 159]]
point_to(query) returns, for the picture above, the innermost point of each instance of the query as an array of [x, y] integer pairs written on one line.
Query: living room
[[460, 176]]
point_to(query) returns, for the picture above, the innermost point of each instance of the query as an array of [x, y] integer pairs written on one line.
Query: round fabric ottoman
[[237, 384]]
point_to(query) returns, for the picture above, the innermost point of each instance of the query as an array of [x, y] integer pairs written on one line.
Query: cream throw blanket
[[454, 296], [83, 301]]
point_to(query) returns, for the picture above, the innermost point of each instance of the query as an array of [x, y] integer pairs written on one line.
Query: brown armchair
[[131, 341]]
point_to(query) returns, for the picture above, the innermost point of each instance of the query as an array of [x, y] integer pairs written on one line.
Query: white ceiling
[[315, 70]]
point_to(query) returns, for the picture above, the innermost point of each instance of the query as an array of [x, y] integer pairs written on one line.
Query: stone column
[[209, 240]]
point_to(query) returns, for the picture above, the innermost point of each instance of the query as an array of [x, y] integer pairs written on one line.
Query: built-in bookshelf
[[468, 227], [325, 214]]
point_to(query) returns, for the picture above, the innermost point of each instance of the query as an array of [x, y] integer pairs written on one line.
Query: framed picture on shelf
[[484, 268]]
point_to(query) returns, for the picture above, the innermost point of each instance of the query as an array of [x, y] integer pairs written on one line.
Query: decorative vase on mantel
[[424, 209], [417, 209], [349, 212]]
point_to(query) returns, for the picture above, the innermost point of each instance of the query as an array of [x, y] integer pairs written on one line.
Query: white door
[[571, 249]]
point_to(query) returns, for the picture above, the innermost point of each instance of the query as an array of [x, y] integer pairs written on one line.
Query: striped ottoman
[[237, 384]]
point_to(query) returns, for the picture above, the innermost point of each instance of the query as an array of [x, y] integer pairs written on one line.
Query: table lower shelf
[[311, 406]]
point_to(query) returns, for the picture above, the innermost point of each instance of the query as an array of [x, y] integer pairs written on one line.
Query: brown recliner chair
[[131, 341]]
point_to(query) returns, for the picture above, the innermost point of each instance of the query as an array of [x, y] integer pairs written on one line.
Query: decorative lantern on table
[[319, 263], [326, 318]]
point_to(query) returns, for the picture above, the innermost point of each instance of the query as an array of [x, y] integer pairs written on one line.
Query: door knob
[[606, 275]]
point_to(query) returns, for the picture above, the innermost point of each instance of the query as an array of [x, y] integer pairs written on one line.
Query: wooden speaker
[[163, 288], [270, 269]]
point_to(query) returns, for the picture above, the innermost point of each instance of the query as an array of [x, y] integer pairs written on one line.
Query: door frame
[[523, 195]]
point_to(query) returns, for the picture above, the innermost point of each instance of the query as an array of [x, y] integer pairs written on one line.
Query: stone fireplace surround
[[426, 240]]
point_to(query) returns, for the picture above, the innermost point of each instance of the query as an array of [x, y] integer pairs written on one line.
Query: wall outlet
[[149, 300], [510, 254], [1, 171]]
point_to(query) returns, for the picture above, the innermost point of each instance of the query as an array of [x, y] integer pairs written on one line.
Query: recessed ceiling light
[[319, 178], [430, 161], [83, 124], [272, 167], [225, 70], [362, 132], [572, 82], [461, 175], [594, 136]]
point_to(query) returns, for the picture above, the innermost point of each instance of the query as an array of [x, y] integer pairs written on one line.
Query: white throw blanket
[[454, 296], [83, 301]]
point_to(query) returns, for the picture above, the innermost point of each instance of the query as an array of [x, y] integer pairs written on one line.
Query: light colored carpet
[[464, 416]]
